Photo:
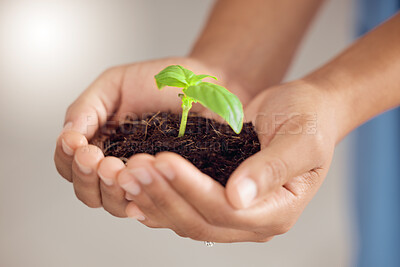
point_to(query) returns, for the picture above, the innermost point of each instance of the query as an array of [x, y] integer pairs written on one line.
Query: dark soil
[[211, 146]]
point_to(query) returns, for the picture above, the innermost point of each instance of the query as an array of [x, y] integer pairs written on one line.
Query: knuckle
[[93, 205], [90, 202], [151, 224], [115, 213], [181, 233], [197, 233], [116, 210]]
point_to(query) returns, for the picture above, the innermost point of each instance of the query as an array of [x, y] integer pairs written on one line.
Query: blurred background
[[52, 50]]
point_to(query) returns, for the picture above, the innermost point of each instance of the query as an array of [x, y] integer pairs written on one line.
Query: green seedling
[[212, 96]]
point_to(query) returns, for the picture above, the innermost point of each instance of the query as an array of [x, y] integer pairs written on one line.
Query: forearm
[[366, 77], [254, 41]]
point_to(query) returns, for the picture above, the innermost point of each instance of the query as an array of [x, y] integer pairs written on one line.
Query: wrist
[[337, 107]]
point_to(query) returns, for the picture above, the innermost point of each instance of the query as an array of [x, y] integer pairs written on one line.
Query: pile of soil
[[211, 146]]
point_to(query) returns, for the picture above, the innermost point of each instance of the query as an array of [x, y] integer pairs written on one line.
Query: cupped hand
[[118, 92], [264, 197]]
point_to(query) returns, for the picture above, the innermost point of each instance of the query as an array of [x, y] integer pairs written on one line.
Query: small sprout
[[212, 96]]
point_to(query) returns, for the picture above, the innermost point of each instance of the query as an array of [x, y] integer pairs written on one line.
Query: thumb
[[91, 109], [285, 157]]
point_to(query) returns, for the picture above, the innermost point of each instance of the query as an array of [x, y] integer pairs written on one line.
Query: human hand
[[264, 196], [120, 91]]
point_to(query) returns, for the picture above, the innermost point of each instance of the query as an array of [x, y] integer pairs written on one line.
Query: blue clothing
[[377, 167]]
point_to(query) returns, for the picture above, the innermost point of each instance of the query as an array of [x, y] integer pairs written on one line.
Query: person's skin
[[254, 41], [119, 91], [298, 125], [169, 192], [131, 89]]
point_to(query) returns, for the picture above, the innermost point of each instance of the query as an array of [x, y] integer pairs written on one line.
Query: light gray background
[[49, 52]]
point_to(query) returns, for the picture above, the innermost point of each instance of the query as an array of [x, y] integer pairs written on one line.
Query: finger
[[204, 193], [84, 175], [189, 181], [152, 216], [178, 215], [67, 143], [285, 157], [93, 106], [168, 202], [133, 211], [188, 221], [112, 195], [209, 199]]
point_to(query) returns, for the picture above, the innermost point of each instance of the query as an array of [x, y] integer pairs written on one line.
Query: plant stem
[[186, 106], [183, 122]]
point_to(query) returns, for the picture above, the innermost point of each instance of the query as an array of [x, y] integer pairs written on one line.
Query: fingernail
[[138, 217], [107, 181], [165, 169], [132, 188], [67, 150], [135, 214], [247, 190], [142, 175], [82, 168], [128, 196]]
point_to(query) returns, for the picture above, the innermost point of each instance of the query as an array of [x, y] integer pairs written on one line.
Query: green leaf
[[178, 76], [175, 76], [219, 100], [188, 73], [160, 85], [198, 78]]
